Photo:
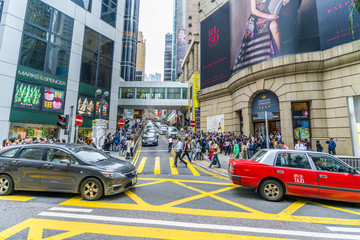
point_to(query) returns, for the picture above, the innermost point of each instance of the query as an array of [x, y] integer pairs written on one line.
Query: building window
[[46, 41], [301, 121], [174, 93], [190, 34], [86, 4], [158, 93], [189, 41], [1, 7], [108, 11], [127, 93], [96, 65], [143, 93], [190, 25]]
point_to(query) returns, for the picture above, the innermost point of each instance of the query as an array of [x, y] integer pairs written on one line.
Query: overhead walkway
[[153, 95]]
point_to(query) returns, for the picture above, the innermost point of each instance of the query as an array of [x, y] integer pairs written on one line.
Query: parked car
[[64, 168], [275, 173], [149, 138], [172, 132]]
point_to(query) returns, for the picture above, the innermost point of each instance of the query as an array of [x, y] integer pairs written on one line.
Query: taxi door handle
[[323, 176], [47, 165], [280, 171], [15, 162]]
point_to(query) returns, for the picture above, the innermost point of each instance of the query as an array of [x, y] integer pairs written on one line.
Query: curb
[[210, 169]]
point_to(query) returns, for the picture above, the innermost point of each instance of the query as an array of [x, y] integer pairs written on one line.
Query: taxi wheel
[[271, 190], [6, 185], [91, 189]]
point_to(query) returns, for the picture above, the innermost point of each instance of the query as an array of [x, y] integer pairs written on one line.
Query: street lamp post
[[102, 97]]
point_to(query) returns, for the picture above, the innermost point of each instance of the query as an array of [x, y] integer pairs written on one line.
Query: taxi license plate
[[133, 181]]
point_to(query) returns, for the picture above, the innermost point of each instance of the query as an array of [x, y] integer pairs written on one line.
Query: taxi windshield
[[258, 156]]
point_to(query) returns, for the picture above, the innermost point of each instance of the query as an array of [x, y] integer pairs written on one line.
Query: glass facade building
[[131, 23], [108, 11], [167, 57]]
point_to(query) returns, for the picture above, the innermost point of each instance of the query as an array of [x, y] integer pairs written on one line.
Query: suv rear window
[[9, 153]]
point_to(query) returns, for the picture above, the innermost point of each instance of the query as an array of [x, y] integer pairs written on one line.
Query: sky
[[156, 19]]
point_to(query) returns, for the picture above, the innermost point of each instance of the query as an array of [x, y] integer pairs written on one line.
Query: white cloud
[[156, 19]]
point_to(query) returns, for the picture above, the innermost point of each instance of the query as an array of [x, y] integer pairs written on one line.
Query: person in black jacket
[[319, 148]]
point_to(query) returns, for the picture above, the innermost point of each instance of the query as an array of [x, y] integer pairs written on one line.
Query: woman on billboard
[[262, 38]]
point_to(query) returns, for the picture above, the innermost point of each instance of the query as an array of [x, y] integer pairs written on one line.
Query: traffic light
[[187, 122], [63, 123]]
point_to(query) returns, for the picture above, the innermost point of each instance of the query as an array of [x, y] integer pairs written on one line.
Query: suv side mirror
[[65, 161]]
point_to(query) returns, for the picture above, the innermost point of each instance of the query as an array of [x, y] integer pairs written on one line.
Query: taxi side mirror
[[66, 161]]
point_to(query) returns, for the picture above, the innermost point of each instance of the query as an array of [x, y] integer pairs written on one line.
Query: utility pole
[[71, 123]]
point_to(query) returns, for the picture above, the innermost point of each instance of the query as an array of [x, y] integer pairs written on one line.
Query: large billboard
[[273, 28], [215, 48]]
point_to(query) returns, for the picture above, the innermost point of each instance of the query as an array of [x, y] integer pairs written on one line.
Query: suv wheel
[[91, 189], [6, 185], [271, 190]]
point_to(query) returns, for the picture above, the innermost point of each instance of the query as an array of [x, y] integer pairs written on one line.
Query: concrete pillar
[[192, 66], [196, 57], [286, 124], [248, 124]]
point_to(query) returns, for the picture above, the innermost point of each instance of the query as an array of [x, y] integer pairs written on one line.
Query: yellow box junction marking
[[136, 157], [250, 214], [294, 207], [174, 170], [335, 208], [37, 226], [141, 165], [16, 198], [157, 166], [147, 184], [192, 169]]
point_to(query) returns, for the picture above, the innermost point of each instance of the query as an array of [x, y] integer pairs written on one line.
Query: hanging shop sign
[[265, 101]]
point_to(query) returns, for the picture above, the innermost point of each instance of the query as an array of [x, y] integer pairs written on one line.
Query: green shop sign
[[23, 73]]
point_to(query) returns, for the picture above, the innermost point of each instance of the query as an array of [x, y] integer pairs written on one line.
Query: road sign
[[193, 124], [79, 120], [121, 123], [261, 115]]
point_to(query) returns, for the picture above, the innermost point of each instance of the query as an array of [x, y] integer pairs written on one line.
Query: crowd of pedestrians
[[197, 146]]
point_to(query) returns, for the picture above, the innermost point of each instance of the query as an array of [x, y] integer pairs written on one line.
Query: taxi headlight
[[112, 175]]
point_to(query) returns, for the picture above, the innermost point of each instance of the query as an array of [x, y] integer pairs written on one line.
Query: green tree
[[355, 6]]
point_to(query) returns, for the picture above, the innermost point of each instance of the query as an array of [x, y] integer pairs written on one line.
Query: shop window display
[[27, 130]]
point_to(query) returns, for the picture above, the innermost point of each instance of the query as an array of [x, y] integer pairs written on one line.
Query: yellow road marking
[[36, 227], [136, 198], [210, 173], [294, 207], [16, 198], [189, 181], [137, 155], [157, 166], [192, 169], [174, 170], [335, 208], [76, 201], [142, 165], [147, 184]]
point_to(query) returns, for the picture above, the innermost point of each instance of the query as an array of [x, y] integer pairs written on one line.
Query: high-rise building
[[179, 38], [154, 77], [167, 57], [130, 37], [58, 70], [140, 58]]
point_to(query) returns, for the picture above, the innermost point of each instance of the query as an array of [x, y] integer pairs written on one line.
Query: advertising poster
[[27, 96], [53, 100], [85, 106], [104, 111], [180, 50], [215, 49], [289, 27], [334, 22], [215, 123]]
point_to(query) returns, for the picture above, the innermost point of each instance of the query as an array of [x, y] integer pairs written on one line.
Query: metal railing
[[352, 161]]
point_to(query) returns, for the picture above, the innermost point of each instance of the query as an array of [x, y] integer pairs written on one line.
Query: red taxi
[[274, 173]]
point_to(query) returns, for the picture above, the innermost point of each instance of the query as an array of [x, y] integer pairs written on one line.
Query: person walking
[[215, 155], [178, 151], [187, 143], [319, 148], [198, 150], [193, 148], [132, 144], [236, 150], [331, 146]]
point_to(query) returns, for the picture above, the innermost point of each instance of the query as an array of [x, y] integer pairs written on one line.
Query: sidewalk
[[224, 160]]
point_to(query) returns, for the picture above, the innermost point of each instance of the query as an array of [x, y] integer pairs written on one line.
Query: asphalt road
[[175, 203]]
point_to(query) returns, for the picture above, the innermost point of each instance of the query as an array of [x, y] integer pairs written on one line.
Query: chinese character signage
[[54, 100], [85, 106], [27, 96], [265, 101]]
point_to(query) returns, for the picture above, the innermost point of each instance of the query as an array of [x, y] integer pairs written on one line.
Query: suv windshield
[[258, 156], [90, 155]]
